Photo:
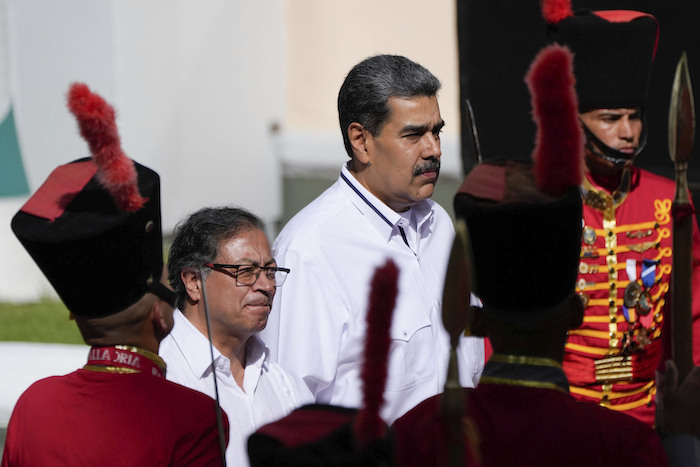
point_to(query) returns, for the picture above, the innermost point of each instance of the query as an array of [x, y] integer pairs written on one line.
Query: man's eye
[[270, 272], [245, 272]]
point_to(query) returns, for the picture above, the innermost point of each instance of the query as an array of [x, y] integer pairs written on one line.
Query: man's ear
[[193, 286], [358, 136], [158, 316], [162, 319], [576, 311]]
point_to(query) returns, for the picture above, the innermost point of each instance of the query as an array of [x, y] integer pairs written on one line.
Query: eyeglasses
[[247, 274]]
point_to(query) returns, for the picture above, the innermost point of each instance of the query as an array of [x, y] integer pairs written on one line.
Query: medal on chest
[[638, 303]]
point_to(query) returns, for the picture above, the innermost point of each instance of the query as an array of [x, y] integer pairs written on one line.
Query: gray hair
[[198, 237], [364, 95]]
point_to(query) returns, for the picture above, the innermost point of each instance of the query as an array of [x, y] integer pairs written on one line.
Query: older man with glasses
[[222, 269]]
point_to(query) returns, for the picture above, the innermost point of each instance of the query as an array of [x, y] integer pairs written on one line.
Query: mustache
[[432, 165]]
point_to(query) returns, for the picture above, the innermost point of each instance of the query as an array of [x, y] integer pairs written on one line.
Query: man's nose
[[626, 130], [431, 143], [264, 283]]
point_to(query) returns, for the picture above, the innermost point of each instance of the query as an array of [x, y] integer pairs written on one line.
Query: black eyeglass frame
[[223, 268]]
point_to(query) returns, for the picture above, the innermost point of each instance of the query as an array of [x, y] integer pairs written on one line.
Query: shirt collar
[[257, 361], [382, 217], [196, 349], [193, 345]]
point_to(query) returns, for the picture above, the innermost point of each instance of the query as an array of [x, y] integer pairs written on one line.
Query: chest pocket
[[412, 353]]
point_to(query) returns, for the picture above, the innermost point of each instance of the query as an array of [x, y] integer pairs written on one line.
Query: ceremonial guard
[[94, 229], [626, 251]]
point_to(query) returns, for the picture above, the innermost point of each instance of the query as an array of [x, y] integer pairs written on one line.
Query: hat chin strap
[[161, 291], [605, 152]]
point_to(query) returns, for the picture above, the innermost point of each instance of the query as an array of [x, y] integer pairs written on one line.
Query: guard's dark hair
[[364, 95], [197, 239]]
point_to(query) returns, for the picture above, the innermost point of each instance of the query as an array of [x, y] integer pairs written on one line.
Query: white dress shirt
[[317, 326], [269, 392]]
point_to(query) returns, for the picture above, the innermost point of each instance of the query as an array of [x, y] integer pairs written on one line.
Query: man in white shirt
[[220, 259], [378, 208]]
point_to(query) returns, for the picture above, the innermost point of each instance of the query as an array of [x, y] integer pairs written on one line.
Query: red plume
[[554, 11], [115, 171], [558, 154], [368, 424]]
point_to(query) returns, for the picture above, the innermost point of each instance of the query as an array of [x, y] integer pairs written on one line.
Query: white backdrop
[[197, 87], [218, 96]]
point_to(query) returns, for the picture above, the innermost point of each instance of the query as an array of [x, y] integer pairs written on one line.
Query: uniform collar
[[125, 359], [520, 370], [601, 199]]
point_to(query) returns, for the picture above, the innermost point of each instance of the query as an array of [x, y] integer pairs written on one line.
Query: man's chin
[[426, 191], [603, 166]]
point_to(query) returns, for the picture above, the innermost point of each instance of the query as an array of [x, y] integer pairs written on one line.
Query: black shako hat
[[613, 52], [524, 219], [94, 226], [525, 253]]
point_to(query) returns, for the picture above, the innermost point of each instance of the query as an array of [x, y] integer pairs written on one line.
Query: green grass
[[44, 321]]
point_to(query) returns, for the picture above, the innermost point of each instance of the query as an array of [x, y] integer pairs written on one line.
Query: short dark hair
[[364, 95], [197, 239]]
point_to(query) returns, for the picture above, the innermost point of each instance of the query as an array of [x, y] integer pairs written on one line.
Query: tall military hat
[[94, 226], [613, 52], [524, 218], [325, 435]]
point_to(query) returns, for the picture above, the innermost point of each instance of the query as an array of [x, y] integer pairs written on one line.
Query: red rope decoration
[[368, 425], [554, 11], [115, 171], [558, 154]]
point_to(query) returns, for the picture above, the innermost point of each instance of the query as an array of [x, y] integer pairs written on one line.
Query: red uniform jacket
[[524, 416], [626, 251], [104, 418]]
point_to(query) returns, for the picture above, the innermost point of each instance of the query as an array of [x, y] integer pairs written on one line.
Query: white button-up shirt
[[268, 394], [317, 326]]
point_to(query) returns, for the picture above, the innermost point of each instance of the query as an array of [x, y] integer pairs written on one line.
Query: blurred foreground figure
[[325, 435], [521, 413], [94, 229]]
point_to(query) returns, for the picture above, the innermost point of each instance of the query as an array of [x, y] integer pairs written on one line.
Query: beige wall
[[325, 38]]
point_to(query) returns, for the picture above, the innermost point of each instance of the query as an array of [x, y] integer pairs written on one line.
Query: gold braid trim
[[146, 353], [587, 349], [110, 369], [648, 388], [596, 334], [525, 360], [513, 382]]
